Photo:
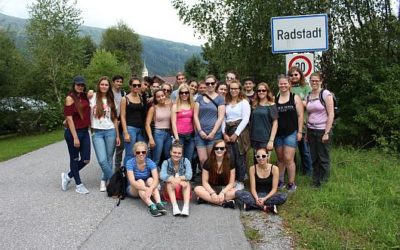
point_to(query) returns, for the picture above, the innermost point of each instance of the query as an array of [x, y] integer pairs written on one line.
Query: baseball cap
[[79, 79]]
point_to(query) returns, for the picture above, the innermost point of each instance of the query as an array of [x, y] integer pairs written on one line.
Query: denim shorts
[[289, 140], [201, 143]]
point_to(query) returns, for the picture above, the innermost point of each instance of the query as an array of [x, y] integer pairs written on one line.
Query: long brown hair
[[302, 80], [76, 96], [110, 100], [270, 96], [241, 96], [212, 161]]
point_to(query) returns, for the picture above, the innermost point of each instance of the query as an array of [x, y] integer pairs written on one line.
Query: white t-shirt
[[105, 121], [239, 111]]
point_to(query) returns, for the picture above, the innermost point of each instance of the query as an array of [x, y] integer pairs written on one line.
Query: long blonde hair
[[179, 100]]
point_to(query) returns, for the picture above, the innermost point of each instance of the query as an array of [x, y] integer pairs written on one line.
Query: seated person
[[264, 178], [177, 172], [143, 179], [218, 178]]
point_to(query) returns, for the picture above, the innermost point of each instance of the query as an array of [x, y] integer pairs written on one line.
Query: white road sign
[[299, 33]]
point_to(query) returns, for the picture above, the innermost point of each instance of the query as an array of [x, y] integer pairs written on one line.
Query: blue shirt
[[139, 174], [208, 113]]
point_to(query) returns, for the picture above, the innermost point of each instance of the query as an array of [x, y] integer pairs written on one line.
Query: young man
[[117, 83], [249, 88], [180, 79]]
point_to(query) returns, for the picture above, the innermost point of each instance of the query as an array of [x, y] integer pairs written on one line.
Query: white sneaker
[[81, 189], [103, 187], [239, 186], [65, 180], [175, 210], [185, 210]]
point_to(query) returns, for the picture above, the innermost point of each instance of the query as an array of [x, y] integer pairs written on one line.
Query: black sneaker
[[161, 207], [154, 211], [271, 209], [200, 201], [229, 204]]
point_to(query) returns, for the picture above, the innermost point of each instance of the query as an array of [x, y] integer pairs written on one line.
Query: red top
[[71, 110]]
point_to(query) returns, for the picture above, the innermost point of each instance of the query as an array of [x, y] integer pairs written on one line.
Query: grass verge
[[15, 146], [357, 209], [253, 235]]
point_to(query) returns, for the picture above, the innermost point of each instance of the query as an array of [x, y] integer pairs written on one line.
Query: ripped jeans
[[79, 157]]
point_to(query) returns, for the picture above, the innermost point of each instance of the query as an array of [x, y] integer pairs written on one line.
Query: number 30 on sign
[[303, 61]]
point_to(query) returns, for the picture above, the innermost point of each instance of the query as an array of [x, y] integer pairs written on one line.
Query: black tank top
[[264, 185], [134, 114], [287, 120]]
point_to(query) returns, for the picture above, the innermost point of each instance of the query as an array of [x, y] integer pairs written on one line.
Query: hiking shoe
[[185, 210], [161, 207], [154, 211], [229, 204], [65, 180], [81, 189], [239, 185], [201, 201], [103, 187], [291, 187], [281, 185]]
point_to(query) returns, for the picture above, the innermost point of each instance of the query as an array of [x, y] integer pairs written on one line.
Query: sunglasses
[[261, 90], [210, 83], [136, 85], [219, 148], [261, 156], [184, 93], [294, 75], [167, 90], [141, 152]]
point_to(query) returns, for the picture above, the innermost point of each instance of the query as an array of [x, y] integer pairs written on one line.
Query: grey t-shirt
[[261, 122], [208, 112], [117, 100]]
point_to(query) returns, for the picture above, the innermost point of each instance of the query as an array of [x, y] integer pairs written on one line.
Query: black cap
[[79, 80]]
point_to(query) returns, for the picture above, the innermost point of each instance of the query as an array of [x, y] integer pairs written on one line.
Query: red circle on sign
[[305, 59]]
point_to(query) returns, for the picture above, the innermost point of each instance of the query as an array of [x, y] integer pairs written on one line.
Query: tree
[[104, 63], [89, 47], [195, 68], [53, 41], [125, 44]]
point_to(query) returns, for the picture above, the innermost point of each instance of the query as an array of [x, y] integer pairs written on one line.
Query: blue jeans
[[163, 141], [76, 163], [104, 146], [247, 198], [304, 149], [136, 134], [188, 145]]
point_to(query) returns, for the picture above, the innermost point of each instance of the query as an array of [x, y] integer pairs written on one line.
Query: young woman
[[222, 89], [201, 89], [143, 180], [209, 112], [76, 134], [105, 135], [193, 85], [264, 178], [218, 178], [264, 119], [160, 139], [302, 89], [290, 126], [133, 115], [177, 172], [230, 76], [234, 130], [167, 88], [182, 120], [319, 129]]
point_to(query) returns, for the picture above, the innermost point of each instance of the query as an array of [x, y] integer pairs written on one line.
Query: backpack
[[116, 187], [335, 103]]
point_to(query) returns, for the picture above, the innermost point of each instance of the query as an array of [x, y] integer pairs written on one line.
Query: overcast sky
[[155, 18]]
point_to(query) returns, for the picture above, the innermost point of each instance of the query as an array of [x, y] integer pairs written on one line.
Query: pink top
[[317, 114], [162, 117], [184, 121]]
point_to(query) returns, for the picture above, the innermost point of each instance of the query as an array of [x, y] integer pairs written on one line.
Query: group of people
[[162, 128]]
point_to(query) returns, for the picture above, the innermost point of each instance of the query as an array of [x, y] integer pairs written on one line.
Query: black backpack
[[117, 185], [335, 103]]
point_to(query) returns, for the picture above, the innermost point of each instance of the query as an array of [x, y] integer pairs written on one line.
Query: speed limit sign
[[303, 61]]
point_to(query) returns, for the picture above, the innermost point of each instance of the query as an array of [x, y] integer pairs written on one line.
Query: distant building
[[145, 72], [163, 79]]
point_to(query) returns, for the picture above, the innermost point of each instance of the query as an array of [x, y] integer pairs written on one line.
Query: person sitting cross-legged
[[143, 179], [264, 178]]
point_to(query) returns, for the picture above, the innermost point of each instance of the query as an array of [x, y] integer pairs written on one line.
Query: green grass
[[15, 146], [359, 208]]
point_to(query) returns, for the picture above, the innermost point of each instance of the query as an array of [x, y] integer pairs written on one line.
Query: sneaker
[[154, 211], [239, 185], [81, 189], [229, 204], [103, 187], [65, 180], [185, 210], [201, 201], [291, 187], [161, 207], [273, 209], [241, 205], [176, 211], [281, 185]]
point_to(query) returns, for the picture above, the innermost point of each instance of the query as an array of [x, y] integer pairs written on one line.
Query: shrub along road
[[36, 214]]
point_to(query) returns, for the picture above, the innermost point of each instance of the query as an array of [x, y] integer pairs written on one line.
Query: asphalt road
[[36, 214]]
